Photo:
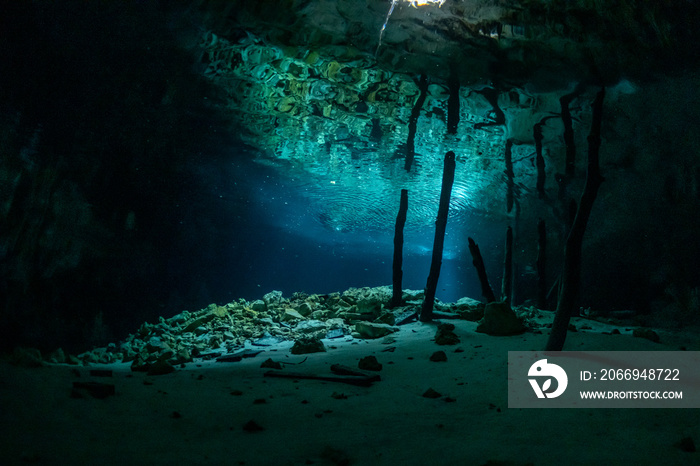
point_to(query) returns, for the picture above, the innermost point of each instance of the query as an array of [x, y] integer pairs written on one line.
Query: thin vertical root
[[386, 21]]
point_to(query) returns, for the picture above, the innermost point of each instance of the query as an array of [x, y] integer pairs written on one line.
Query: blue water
[[285, 244]]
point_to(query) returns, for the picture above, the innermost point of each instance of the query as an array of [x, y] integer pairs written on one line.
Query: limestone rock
[[291, 314], [57, 357], [305, 345], [469, 309], [413, 295], [445, 335], [369, 363], [344, 304], [371, 300], [438, 356], [647, 333], [305, 309], [154, 344], [73, 360], [321, 315], [267, 340], [467, 302], [370, 305], [180, 318], [387, 317], [183, 356], [371, 330], [140, 364], [273, 298], [26, 357], [270, 364], [259, 306], [160, 368], [335, 323], [220, 312], [198, 322], [145, 329], [500, 320], [311, 327], [686, 444], [252, 426]]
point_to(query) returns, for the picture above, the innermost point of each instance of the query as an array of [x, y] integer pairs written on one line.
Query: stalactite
[[413, 122], [397, 271], [571, 274], [448, 177], [478, 262], [491, 96]]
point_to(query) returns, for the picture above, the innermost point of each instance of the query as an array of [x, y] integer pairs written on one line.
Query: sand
[[197, 414]]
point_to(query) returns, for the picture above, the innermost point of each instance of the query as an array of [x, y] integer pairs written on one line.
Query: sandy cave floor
[[196, 415]]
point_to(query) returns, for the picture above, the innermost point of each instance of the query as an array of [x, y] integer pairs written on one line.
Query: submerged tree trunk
[[507, 285], [539, 159], [448, 177], [541, 265], [509, 175], [397, 271], [478, 262], [571, 274], [567, 121]]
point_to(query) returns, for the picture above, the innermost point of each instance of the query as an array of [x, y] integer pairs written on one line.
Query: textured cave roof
[[312, 93], [545, 44]]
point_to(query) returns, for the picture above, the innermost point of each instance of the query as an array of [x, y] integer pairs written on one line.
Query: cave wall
[[105, 131]]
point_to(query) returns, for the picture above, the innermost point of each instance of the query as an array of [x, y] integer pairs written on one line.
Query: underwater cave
[[323, 231]]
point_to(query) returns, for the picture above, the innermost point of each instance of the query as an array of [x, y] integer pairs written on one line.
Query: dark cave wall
[[641, 246], [104, 131]]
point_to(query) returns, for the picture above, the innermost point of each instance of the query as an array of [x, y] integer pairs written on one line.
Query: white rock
[[305, 309], [259, 306], [291, 314], [371, 330]]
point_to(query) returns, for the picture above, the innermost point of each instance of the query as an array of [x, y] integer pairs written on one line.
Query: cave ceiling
[[324, 89], [542, 43]]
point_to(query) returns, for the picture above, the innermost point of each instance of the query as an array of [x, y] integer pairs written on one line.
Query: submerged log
[[448, 177], [507, 285], [541, 265], [539, 159], [567, 121], [571, 273], [358, 380], [413, 123], [481, 271], [397, 271], [509, 175]]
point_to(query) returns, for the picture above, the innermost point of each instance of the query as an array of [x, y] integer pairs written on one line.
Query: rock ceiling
[[544, 43], [322, 96]]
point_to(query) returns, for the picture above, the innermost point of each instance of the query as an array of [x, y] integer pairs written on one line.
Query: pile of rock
[[218, 330]]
